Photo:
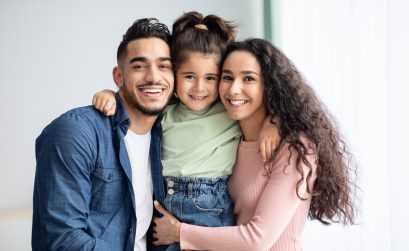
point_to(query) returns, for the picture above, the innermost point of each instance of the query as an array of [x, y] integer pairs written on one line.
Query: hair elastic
[[201, 26]]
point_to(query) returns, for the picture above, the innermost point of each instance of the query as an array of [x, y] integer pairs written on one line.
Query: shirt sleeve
[[275, 208], [66, 154]]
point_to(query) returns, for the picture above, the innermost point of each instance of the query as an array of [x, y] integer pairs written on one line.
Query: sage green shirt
[[199, 144]]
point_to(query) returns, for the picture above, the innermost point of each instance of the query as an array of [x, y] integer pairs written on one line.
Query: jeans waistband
[[196, 185]]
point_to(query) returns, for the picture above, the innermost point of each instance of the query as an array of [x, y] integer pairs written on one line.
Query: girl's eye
[[211, 78]]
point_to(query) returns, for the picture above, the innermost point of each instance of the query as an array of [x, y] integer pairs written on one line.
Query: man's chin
[[149, 111]]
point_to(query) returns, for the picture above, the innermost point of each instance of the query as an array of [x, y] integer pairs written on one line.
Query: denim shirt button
[[171, 183], [171, 191]]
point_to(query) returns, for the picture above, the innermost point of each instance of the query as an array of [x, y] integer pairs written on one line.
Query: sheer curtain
[[341, 48]]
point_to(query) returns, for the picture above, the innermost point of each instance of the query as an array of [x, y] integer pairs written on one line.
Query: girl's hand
[[104, 101], [167, 228], [269, 138]]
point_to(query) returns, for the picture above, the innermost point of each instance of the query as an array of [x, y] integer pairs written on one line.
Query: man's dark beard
[[135, 104]]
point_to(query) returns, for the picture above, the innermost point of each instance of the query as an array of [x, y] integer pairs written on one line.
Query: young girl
[[310, 175], [199, 139]]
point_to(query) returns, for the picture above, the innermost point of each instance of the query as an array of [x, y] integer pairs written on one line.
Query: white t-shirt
[[138, 152]]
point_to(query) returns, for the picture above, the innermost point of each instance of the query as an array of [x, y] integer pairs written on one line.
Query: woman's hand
[[167, 228], [269, 138], [104, 101]]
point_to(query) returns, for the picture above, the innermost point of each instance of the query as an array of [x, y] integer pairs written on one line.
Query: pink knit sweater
[[269, 214]]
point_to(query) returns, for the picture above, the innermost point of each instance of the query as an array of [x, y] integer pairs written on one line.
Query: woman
[[310, 174]]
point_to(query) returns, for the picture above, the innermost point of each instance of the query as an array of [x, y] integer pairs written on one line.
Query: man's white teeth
[[197, 97], [152, 90], [237, 102]]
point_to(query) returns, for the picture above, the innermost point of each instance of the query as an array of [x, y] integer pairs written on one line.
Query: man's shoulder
[[85, 118]]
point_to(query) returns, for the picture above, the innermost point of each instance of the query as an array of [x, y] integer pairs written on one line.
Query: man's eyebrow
[[164, 59], [144, 59], [227, 71], [138, 59]]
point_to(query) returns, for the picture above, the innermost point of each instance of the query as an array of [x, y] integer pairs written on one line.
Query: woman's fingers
[[160, 208]]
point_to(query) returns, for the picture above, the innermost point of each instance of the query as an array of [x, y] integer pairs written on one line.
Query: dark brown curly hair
[[293, 103]]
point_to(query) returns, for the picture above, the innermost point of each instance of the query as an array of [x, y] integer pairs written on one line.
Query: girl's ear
[[117, 75]]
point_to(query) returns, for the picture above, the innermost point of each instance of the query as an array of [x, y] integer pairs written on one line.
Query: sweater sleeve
[[275, 208]]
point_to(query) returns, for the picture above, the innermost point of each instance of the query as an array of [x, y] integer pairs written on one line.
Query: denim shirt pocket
[[108, 189]]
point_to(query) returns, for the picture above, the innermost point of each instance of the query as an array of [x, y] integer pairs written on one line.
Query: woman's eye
[[227, 78], [248, 78], [189, 76]]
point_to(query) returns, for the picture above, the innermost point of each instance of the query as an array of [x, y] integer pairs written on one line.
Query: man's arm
[[66, 154]]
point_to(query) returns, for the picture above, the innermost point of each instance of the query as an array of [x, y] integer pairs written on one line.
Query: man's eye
[[137, 66], [165, 66], [211, 78]]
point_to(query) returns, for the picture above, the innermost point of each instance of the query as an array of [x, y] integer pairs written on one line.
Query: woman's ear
[[117, 75]]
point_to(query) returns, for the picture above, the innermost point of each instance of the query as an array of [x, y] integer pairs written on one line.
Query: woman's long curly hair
[[289, 98]]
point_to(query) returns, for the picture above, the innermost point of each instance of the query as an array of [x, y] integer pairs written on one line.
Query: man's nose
[[152, 74]]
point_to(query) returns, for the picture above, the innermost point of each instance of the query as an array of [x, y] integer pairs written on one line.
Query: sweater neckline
[[250, 145]]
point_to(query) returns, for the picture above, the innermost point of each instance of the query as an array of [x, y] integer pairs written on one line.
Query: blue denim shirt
[[83, 196]]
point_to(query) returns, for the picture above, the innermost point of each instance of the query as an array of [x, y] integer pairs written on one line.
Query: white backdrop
[[355, 54]]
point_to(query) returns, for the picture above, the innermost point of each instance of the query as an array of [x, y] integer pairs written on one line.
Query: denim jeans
[[199, 201]]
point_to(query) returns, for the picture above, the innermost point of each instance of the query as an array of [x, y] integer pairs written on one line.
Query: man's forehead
[[151, 48]]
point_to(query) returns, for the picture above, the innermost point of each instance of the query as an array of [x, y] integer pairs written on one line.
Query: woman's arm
[[275, 209]]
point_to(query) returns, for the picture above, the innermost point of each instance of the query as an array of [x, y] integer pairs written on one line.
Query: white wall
[[54, 56], [398, 120], [355, 54]]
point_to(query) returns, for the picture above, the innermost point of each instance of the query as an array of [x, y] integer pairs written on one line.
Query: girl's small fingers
[[98, 104], [268, 152], [93, 100], [111, 109], [263, 151]]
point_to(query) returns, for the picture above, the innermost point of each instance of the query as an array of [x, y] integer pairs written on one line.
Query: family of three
[[239, 159]]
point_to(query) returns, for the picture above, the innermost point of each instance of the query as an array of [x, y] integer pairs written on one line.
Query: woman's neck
[[251, 126]]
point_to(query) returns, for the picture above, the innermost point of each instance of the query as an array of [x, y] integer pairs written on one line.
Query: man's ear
[[117, 75]]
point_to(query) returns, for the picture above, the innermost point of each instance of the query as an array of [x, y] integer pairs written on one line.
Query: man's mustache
[[150, 84]]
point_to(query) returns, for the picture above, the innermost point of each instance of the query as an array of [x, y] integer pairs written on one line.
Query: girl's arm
[[275, 209], [269, 138], [104, 101]]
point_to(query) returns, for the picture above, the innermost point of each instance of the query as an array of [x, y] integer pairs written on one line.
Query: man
[[96, 176]]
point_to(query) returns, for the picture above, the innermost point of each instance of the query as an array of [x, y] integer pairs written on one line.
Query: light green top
[[199, 144]]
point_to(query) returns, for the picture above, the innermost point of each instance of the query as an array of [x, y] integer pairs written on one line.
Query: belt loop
[[190, 190]]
